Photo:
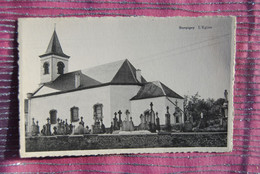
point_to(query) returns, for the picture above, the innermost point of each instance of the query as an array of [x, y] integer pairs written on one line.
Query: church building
[[98, 94]]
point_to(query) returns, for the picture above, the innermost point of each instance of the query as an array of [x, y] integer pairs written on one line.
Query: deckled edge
[[97, 152]]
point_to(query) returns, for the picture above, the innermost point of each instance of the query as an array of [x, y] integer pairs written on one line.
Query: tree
[[194, 106]]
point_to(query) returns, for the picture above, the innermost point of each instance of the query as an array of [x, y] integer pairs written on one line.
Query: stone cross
[[115, 114], [151, 104], [119, 115]]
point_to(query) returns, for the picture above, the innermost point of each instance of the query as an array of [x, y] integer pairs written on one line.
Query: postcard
[[117, 85]]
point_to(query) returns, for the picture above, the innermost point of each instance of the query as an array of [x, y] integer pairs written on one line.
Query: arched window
[[74, 111], [46, 68], [53, 116], [60, 67]]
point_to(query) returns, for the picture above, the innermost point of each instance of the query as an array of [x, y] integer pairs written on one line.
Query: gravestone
[[167, 120], [81, 121], [54, 130], [116, 127], [120, 119], [142, 125], [48, 127], [33, 128], [158, 127], [127, 124], [43, 131], [103, 128], [79, 130], [152, 126]]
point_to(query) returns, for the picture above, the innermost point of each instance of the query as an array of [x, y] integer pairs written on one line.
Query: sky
[[188, 55]]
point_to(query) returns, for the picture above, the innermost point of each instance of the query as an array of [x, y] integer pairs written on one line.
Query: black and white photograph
[[113, 85]]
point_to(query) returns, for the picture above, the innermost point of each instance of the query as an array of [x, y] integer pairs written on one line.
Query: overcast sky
[[186, 60]]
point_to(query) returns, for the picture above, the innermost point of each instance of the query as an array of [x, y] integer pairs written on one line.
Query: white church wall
[[139, 106], [83, 99], [120, 98]]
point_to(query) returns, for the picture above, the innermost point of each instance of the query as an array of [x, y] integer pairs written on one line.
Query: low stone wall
[[85, 142]]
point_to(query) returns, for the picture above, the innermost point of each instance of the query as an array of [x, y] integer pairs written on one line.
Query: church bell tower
[[53, 62]]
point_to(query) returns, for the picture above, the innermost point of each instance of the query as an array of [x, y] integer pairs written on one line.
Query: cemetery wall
[[85, 142]]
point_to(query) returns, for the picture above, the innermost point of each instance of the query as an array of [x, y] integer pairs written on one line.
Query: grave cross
[[48, 120], [119, 112], [151, 104], [119, 115], [58, 120], [115, 114]]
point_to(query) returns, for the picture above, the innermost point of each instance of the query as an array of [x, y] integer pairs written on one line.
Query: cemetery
[[60, 135]]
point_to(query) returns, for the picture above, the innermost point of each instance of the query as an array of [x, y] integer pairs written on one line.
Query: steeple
[[54, 47], [53, 62]]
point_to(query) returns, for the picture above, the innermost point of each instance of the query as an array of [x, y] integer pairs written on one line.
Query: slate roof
[[155, 89], [119, 72], [67, 81], [54, 47]]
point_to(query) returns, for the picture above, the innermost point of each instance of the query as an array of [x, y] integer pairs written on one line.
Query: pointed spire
[[54, 47]]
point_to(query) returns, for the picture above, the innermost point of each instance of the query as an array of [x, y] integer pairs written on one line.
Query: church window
[[74, 111], [46, 68], [53, 116], [60, 67], [98, 114]]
